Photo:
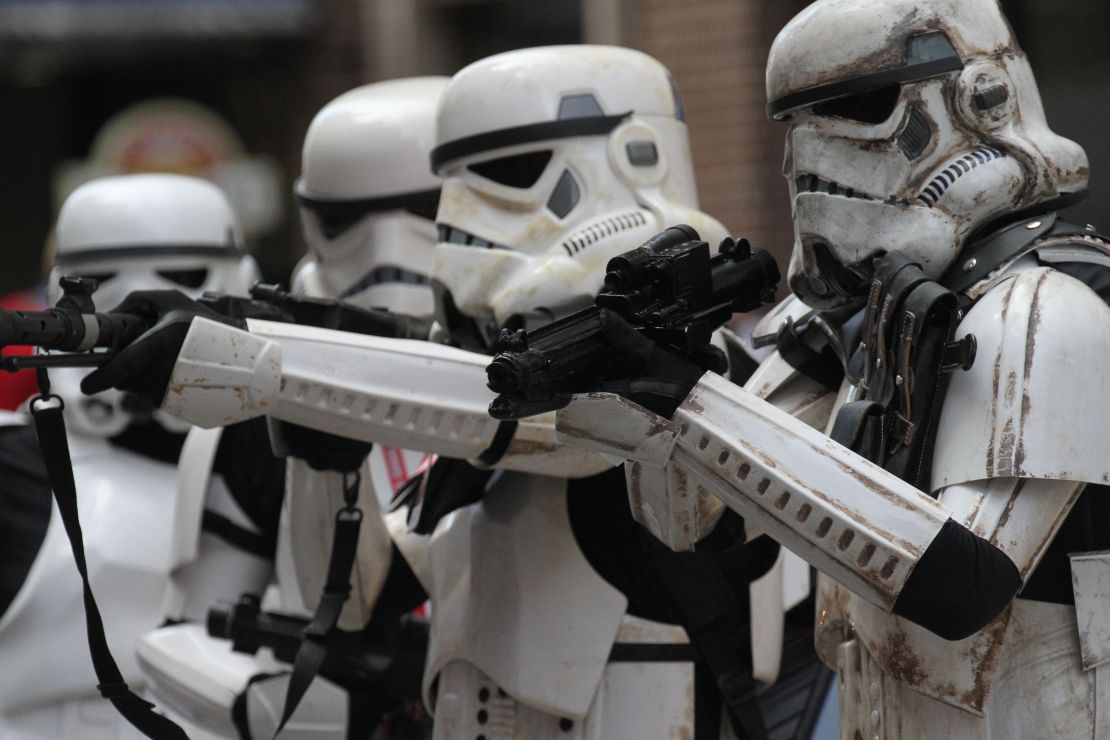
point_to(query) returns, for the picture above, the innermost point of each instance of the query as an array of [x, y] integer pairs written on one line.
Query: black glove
[[660, 381], [323, 451], [144, 366]]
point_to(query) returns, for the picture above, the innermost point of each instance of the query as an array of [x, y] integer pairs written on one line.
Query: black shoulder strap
[[908, 352], [827, 366], [50, 429], [981, 258], [337, 588]]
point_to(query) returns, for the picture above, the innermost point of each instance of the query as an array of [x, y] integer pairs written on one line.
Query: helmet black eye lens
[[518, 171], [185, 278], [873, 106], [335, 218]]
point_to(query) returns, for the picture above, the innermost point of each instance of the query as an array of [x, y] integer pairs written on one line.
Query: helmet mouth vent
[[815, 184], [453, 235], [599, 230], [384, 275], [939, 185]]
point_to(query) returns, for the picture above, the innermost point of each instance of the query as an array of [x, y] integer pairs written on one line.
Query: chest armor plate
[[513, 595]]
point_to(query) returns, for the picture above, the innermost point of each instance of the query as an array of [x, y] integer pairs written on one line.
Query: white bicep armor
[[409, 394]]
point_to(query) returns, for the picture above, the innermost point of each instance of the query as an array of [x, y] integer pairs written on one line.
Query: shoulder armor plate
[[1033, 404]]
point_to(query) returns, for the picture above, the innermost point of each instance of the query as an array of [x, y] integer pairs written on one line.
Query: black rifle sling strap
[[337, 588], [51, 431]]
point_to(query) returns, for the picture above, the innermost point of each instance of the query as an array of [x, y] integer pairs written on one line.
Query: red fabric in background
[[15, 388]]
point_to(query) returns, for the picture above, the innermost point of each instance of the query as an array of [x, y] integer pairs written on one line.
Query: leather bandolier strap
[[908, 349]]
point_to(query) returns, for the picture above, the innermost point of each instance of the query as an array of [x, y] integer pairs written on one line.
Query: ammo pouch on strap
[[908, 349]]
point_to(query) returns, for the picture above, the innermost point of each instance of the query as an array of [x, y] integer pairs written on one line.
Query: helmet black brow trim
[[366, 205], [153, 250], [527, 134], [336, 216], [927, 55]]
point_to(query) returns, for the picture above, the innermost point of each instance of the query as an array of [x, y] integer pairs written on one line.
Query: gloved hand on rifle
[[144, 366], [659, 381]]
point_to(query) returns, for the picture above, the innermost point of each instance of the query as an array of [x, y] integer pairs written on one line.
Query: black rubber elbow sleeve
[[959, 586]]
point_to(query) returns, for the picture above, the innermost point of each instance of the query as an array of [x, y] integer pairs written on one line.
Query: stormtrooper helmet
[[554, 160], [368, 199], [143, 232], [913, 124]]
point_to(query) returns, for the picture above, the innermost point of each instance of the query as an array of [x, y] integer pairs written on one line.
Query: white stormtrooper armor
[[367, 198], [368, 203], [148, 232], [141, 530], [581, 155], [917, 129]]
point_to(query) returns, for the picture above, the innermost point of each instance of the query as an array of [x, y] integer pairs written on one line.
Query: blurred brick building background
[[266, 66]]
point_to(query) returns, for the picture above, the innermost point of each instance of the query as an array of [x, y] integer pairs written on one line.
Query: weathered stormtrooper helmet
[[368, 199], [912, 124], [554, 160], [143, 232]]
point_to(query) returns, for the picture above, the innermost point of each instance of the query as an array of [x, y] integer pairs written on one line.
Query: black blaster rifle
[[89, 339], [671, 289]]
